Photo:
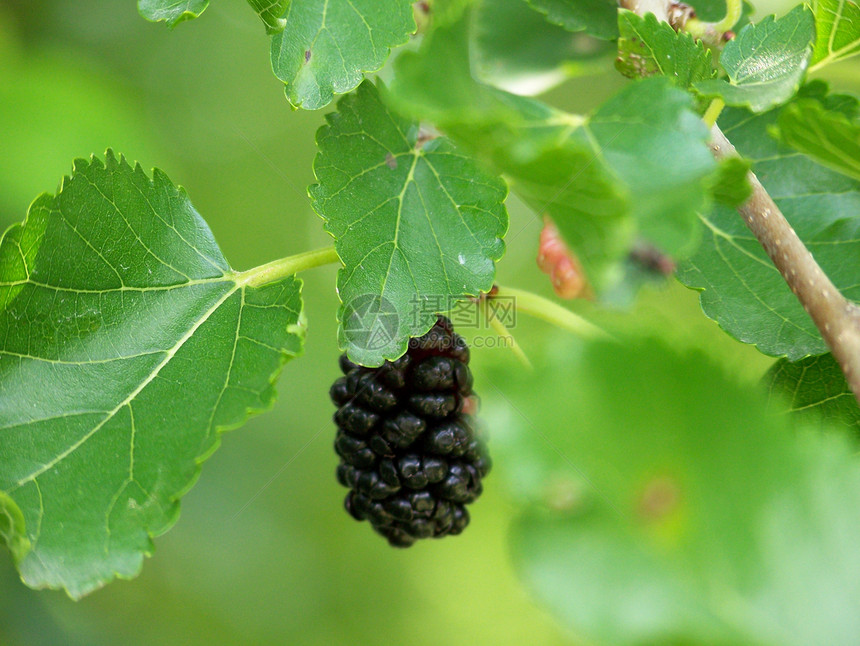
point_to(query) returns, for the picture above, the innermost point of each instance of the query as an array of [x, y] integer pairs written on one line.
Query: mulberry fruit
[[409, 452]]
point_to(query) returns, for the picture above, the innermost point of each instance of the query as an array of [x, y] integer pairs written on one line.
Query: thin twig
[[837, 318]]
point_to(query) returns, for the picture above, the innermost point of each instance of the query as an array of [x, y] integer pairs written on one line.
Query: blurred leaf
[[596, 17], [819, 90], [516, 49], [815, 390], [12, 528], [271, 12], [838, 25], [766, 62], [730, 185], [171, 11], [326, 46], [742, 290], [826, 136], [646, 141], [128, 346], [651, 139], [417, 224], [672, 509], [36, 121], [647, 47]]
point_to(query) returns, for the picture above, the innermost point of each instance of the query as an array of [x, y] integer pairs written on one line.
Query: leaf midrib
[[169, 354]]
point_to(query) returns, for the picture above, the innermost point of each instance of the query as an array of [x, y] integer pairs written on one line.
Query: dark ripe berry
[[346, 365], [434, 468], [463, 378], [355, 420], [340, 392], [422, 503], [402, 430], [399, 508], [461, 519], [444, 517], [412, 472], [409, 453], [381, 446], [389, 473], [371, 484], [397, 537], [393, 373], [435, 373], [374, 395], [444, 323], [456, 486], [435, 405], [354, 451], [346, 475], [449, 438], [459, 349]]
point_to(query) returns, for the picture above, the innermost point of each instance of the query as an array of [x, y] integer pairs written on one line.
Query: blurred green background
[[263, 552]]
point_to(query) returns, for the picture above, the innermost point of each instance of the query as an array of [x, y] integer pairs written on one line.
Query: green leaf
[[595, 17], [171, 11], [766, 63], [128, 345], [826, 136], [671, 509], [645, 141], [651, 139], [516, 49], [838, 25], [742, 290], [271, 13], [730, 185], [416, 222], [326, 46], [844, 104], [648, 47], [815, 390]]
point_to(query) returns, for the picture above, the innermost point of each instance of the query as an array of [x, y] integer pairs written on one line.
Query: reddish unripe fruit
[[555, 259]]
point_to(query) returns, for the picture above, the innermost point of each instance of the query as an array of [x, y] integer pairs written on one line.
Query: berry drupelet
[[408, 447]]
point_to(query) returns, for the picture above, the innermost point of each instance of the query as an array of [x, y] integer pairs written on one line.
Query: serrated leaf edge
[[299, 329]]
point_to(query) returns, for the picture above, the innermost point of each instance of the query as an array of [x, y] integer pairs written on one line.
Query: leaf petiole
[[551, 312], [713, 112], [734, 9], [283, 267], [712, 33]]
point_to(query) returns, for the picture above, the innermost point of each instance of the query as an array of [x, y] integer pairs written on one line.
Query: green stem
[[713, 112], [553, 313], [283, 267], [502, 332], [734, 9], [711, 33]]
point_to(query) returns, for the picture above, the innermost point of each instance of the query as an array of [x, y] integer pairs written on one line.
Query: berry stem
[[554, 314], [734, 10], [502, 331], [713, 34], [283, 267]]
